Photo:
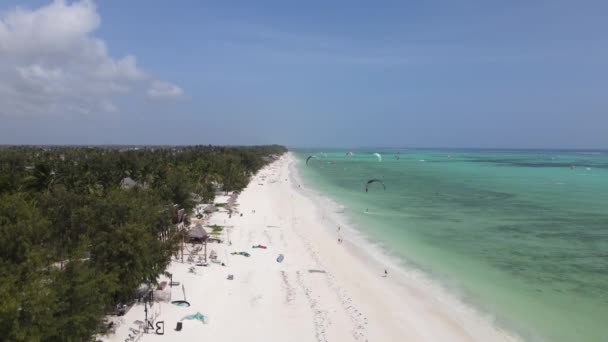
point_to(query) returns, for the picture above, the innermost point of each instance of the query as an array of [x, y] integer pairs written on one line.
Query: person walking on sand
[[385, 273]]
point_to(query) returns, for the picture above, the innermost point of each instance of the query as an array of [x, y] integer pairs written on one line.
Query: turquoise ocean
[[520, 235]]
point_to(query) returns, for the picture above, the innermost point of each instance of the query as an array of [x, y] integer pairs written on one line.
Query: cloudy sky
[[316, 73]]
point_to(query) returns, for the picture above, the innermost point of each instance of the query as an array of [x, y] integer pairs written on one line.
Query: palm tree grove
[[82, 227]]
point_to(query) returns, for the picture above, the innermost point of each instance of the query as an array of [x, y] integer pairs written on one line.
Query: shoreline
[[322, 291], [407, 276]]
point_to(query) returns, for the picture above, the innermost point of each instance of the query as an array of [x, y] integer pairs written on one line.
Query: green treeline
[[81, 228]]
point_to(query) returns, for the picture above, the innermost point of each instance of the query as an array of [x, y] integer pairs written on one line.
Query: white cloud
[[51, 63], [160, 89]]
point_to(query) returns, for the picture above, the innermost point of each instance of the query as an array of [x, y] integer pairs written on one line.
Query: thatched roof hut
[[197, 233], [209, 209], [233, 197]]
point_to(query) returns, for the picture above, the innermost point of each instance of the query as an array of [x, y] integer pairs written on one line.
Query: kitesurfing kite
[[309, 157], [374, 181], [378, 156]]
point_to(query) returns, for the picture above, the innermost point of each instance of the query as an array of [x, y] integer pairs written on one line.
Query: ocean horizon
[[519, 234]]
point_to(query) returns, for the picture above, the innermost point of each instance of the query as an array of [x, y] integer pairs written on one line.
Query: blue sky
[[316, 73]]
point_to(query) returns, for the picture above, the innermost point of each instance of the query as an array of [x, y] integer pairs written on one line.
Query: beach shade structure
[[280, 258], [209, 209], [199, 316], [233, 197], [232, 200], [181, 303], [374, 181], [197, 234]]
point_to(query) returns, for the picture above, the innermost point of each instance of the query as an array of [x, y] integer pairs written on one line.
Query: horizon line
[[295, 147]]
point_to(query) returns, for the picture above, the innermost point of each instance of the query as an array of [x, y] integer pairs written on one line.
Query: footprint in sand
[[289, 290], [320, 319], [268, 238]]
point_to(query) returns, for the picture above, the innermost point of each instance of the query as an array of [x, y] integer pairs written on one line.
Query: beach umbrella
[[209, 209], [197, 232]]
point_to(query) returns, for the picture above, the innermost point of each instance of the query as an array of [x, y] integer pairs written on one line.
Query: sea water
[[521, 235]]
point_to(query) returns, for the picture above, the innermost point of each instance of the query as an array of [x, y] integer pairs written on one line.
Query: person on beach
[[385, 273]]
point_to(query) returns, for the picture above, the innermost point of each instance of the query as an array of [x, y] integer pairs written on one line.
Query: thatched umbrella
[[197, 233], [209, 209]]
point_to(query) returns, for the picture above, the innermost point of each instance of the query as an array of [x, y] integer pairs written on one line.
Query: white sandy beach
[[349, 300]]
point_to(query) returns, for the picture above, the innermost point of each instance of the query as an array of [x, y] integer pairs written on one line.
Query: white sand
[[270, 301]]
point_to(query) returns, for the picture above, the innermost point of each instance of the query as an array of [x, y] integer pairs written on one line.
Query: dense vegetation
[[81, 228]]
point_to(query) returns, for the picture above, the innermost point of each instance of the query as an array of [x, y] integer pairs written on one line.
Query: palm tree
[[42, 178]]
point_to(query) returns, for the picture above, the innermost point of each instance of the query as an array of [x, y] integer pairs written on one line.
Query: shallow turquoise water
[[520, 234]]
